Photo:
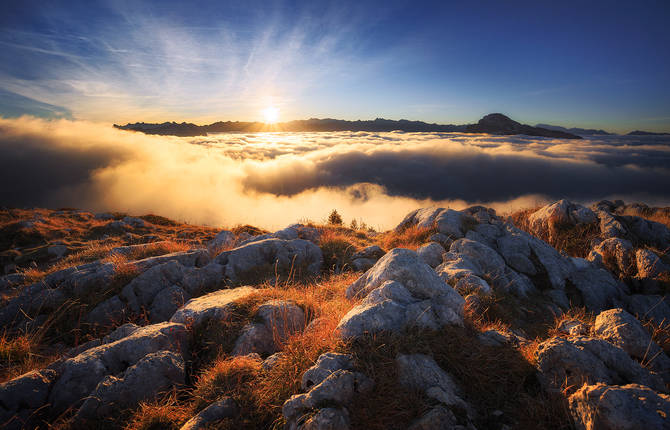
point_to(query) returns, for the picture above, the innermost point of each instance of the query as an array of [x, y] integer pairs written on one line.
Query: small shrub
[[334, 218]]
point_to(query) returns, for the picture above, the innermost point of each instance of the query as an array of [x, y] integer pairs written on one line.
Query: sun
[[271, 114]]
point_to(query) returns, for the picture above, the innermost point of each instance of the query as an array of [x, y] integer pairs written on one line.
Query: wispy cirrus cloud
[[137, 65]]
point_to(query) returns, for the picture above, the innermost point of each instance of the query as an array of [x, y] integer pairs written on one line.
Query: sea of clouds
[[274, 179]]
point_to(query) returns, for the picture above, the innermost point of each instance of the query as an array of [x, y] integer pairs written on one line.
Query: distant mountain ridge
[[646, 133], [574, 130], [495, 123]]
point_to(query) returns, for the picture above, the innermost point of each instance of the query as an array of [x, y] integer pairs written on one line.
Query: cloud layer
[[272, 179]]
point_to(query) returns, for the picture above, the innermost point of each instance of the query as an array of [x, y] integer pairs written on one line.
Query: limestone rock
[[265, 258], [216, 305], [224, 408], [649, 265], [582, 359], [595, 289], [616, 255], [627, 407], [325, 365], [390, 305], [279, 319], [548, 220], [23, 395], [431, 253], [623, 330], [339, 388], [144, 381], [421, 372], [403, 266], [164, 287], [81, 374]]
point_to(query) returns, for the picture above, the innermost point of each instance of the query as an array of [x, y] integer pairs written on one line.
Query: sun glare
[[271, 114]]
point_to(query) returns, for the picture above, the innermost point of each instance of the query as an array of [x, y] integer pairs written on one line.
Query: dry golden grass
[[21, 353], [228, 376], [163, 414], [337, 250], [410, 238]]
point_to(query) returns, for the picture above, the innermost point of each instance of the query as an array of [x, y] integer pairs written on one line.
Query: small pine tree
[[334, 218], [354, 224]]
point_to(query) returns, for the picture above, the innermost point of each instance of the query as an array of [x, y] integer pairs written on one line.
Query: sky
[[594, 64]]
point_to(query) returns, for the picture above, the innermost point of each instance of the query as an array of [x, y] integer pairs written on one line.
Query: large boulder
[[160, 290], [144, 381], [330, 381], [49, 294], [649, 265], [623, 330], [423, 218], [569, 363], [468, 258], [431, 253], [80, 375], [548, 221], [449, 222], [267, 258], [338, 389], [22, 396], [400, 291], [326, 365], [277, 320], [217, 305], [627, 407], [487, 260], [617, 255], [595, 288], [610, 226]]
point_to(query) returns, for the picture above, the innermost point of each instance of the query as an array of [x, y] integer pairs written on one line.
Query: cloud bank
[[272, 179]]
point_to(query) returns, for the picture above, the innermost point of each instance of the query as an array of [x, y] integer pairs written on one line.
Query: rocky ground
[[552, 317]]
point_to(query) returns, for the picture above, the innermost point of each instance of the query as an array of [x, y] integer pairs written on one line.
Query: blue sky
[[597, 64]]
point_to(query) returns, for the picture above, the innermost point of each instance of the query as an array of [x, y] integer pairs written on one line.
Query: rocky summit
[[553, 317]]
